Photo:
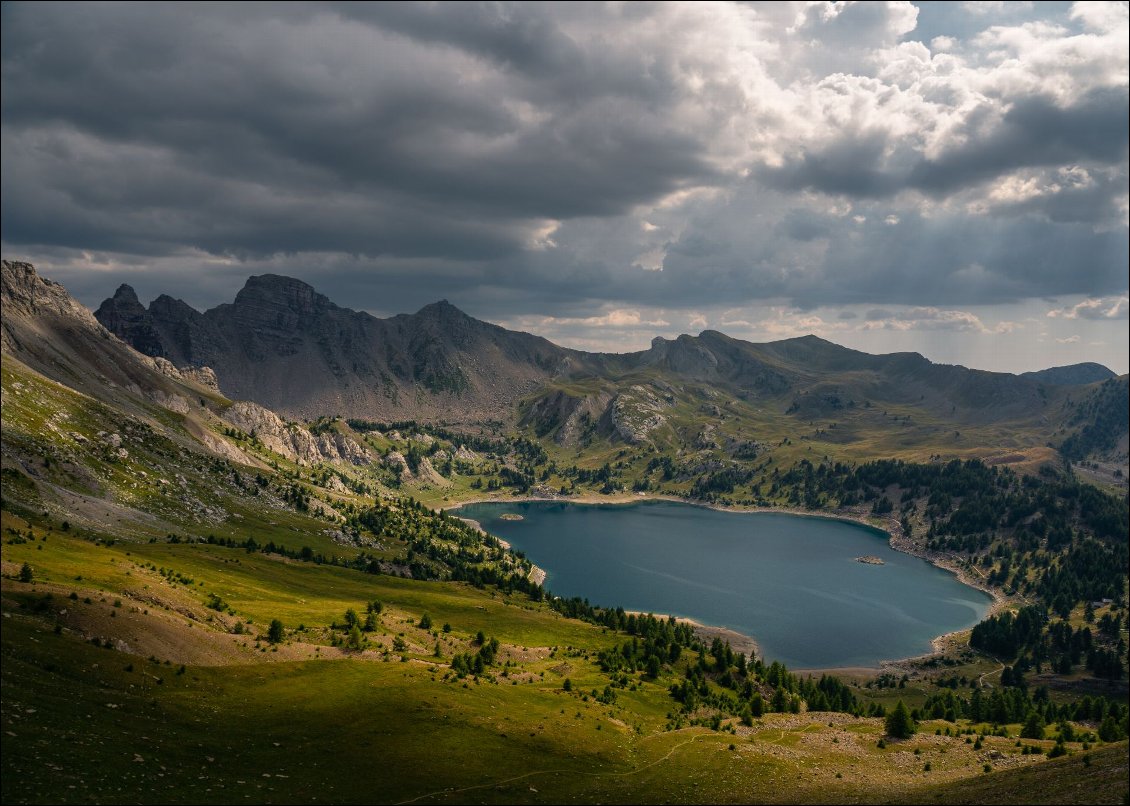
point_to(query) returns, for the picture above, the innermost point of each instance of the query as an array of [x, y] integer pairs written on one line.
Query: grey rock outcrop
[[291, 440], [637, 412], [565, 415]]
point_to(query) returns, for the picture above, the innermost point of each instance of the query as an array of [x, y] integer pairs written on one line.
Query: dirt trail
[[981, 679]]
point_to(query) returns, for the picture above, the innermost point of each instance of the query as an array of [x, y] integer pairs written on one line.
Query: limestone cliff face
[[636, 413], [291, 440], [344, 448], [205, 376], [565, 415], [27, 296]]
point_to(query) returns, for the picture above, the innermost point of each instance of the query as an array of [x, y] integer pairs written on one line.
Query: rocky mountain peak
[[23, 291], [21, 285], [1071, 375], [277, 291], [125, 295], [442, 311], [172, 309], [124, 305], [125, 317]]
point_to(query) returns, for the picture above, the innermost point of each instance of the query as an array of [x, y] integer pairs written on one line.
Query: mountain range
[[284, 346], [440, 361], [290, 353]]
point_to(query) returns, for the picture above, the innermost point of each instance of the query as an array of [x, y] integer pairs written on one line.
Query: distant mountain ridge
[[288, 347], [1072, 375], [701, 401]]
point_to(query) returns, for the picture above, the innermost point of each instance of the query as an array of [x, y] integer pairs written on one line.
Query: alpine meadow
[[266, 537]]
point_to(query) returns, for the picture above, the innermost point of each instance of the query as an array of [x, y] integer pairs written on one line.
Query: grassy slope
[[1060, 781], [85, 723]]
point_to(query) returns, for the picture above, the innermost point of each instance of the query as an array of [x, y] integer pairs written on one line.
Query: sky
[[947, 178]]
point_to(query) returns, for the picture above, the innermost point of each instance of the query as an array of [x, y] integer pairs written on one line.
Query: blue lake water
[[792, 582]]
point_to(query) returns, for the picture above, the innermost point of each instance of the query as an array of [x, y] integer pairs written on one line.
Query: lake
[[791, 582]]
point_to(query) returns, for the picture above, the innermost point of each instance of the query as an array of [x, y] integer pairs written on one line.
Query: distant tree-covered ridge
[[1101, 417]]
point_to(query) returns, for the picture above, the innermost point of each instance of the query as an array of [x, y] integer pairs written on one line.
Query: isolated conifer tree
[[900, 725], [757, 705], [1033, 726], [275, 631]]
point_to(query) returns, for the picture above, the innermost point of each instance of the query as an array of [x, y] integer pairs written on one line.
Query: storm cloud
[[572, 161]]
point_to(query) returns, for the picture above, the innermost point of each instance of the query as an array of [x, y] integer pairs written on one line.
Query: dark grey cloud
[[1034, 132], [298, 129], [868, 255], [853, 165], [556, 158]]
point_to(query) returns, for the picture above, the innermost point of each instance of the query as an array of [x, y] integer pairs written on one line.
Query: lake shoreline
[[890, 526], [739, 642]]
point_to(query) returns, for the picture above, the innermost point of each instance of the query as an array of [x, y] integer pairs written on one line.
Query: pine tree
[[1033, 726], [900, 725], [757, 705], [275, 631]]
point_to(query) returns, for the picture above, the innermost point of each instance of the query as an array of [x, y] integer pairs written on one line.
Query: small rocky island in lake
[[511, 516], [870, 559]]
